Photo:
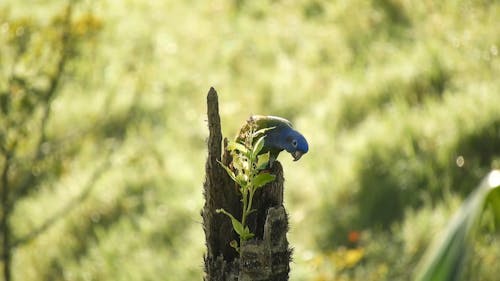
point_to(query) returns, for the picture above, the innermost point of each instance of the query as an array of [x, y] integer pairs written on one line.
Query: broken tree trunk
[[267, 255]]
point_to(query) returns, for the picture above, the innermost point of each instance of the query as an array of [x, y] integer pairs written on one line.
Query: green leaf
[[262, 179], [240, 163], [493, 202], [232, 145], [241, 180], [262, 131], [263, 161], [247, 234], [234, 245], [446, 256], [258, 147], [229, 172], [237, 226]]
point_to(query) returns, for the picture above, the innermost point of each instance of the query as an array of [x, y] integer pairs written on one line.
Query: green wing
[[270, 121], [261, 122]]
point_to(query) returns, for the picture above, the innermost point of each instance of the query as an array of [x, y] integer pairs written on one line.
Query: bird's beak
[[296, 155]]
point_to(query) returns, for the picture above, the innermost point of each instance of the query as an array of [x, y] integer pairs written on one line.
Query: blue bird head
[[288, 139]]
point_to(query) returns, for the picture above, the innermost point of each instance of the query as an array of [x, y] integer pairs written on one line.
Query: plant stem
[[249, 207], [244, 212], [247, 202]]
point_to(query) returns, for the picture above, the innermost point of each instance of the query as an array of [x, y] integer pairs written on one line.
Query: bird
[[280, 136]]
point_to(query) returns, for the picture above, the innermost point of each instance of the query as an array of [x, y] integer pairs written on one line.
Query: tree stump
[[267, 255]]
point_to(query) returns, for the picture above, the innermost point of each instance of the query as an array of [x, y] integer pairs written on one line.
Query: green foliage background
[[398, 99]]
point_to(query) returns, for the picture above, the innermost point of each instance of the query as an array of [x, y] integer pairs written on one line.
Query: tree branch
[[67, 208], [4, 220], [49, 96]]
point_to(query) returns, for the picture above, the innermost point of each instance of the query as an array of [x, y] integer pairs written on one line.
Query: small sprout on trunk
[[247, 171]]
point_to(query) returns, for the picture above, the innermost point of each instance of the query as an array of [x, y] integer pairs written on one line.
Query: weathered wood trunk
[[267, 255]]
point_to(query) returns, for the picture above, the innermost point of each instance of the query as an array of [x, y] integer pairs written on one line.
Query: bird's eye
[[294, 143]]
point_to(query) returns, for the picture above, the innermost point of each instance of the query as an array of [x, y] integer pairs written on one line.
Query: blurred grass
[[398, 99]]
